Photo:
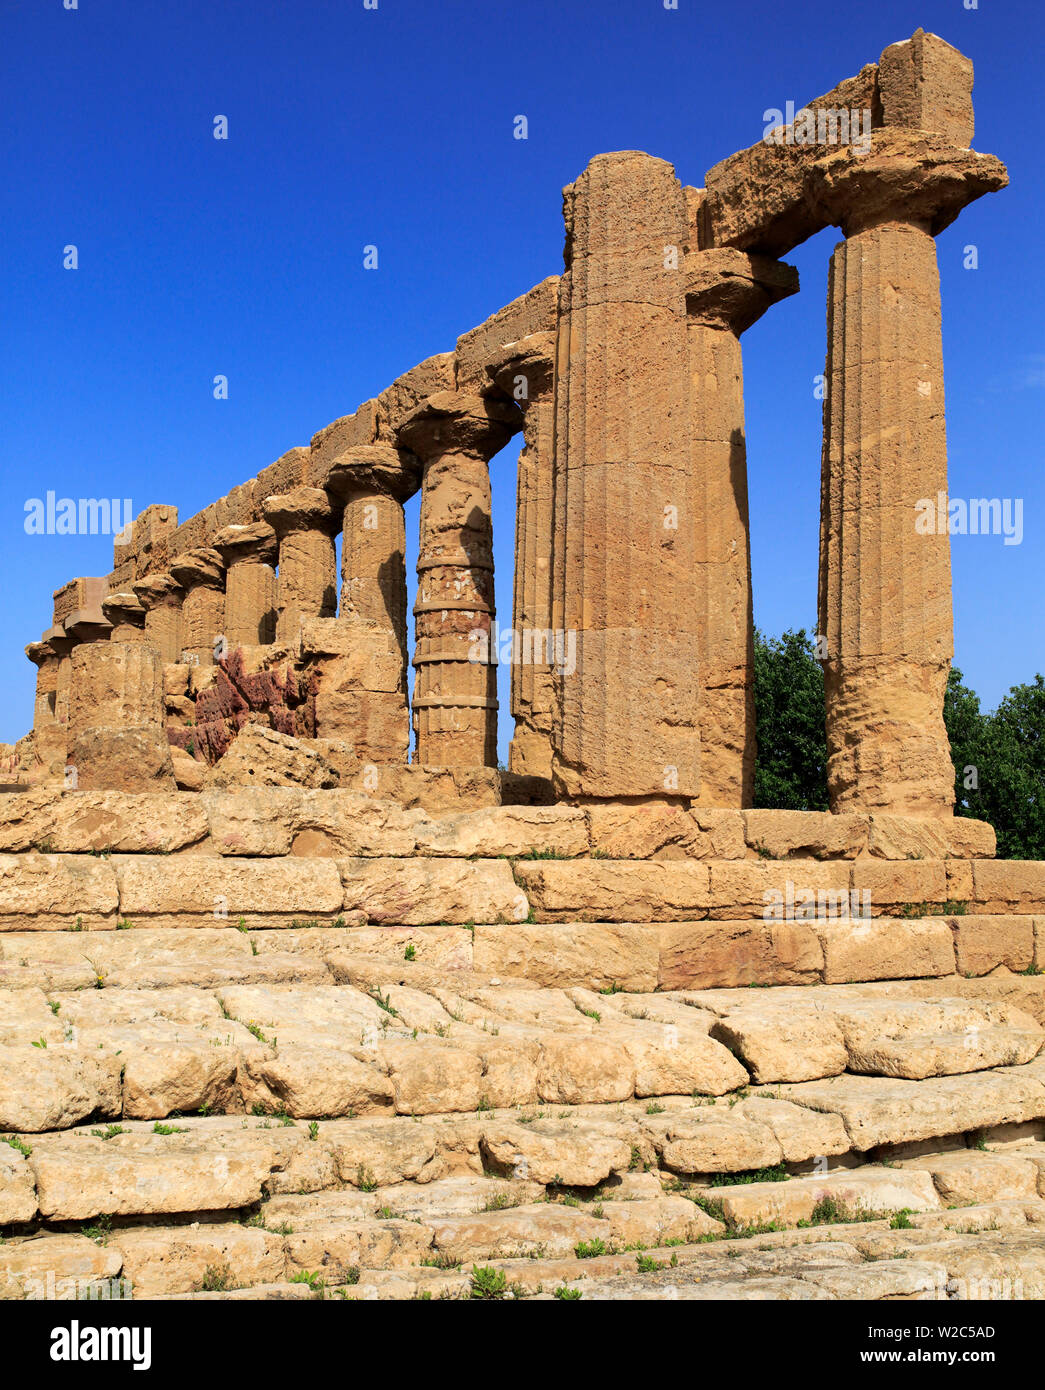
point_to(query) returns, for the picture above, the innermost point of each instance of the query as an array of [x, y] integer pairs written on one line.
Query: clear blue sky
[[394, 127]]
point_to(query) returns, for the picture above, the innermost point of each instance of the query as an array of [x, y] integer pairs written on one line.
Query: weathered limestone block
[[54, 1088], [49, 892], [201, 573], [981, 943], [305, 1082], [720, 955], [262, 757], [162, 1260], [783, 1043], [162, 598], [77, 595], [905, 837], [303, 520], [75, 1264], [925, 84], [422, 891], [885, 949], [79, 821], [807, 834], [249, 553], [878, 1190], [726, 292], [623, 577], [656, 829], [578, 1154], [609, 891], [360, 695], [117, 740], [512, 831], [199, 890], [1009, 885], [454, 703]]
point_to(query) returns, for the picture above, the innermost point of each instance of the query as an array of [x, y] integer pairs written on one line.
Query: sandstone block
[[204, 891], [719, 955], [416, 892], [615, 891], [885, 949], [47, 892]]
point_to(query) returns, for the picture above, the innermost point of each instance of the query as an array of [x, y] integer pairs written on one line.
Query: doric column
[[885, 579], [303, 520], [455, 700], [127, 614], [525, 372], [371, 482], [726, 292], [162, 598], [46, 660], [626, 719], [249, 553], [201, 573]]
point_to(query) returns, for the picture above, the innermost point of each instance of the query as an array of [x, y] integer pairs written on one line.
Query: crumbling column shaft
[[307, 586], [455, 687], [885, 583], [250, 604]]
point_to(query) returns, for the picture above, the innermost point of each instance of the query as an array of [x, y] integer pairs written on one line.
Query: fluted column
[[162, 598], [201, 573], [885, 579], [370, 483], [525, 373], [306, 586], [726, 292], [626, 720], [249, 553], [127, 614], [455, 700]]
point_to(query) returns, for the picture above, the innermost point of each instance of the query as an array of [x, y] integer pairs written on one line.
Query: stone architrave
[[455, 702]]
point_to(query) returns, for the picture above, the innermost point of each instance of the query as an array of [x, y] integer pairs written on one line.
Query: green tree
[[999, 764], [791, 768]]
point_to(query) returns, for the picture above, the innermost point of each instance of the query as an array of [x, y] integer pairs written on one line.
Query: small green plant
[[901, 1220], [592, 1013], [312, 1278], [216, 1279], [778, 1173], [54, 1005], [365, 1179], [614, 988], [23, 1148], [99, 1231], [109, 1132], [654, 1108], [124, 925], [590, 1249], [40, 1042], [488, 1282], [313, 1130], [79, 925], [411, 951], [159, 1128], [566, 1294]]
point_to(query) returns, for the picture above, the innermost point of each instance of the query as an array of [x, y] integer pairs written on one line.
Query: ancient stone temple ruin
[[249, 869]]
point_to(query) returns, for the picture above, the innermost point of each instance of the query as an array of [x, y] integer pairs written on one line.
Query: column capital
[[39, 653], [373, 468], [300, 509], [905, 177], [254, 544], [532, 357], [124, 608], [452, 422], [200, 568], [158, 589], [727, 288]]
